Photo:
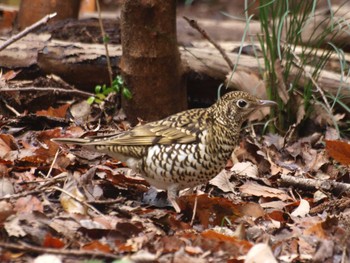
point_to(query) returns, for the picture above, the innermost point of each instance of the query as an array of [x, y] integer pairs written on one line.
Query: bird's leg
[[172, 192]]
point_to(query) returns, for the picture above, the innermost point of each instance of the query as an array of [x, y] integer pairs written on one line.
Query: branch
[[194, 24], [27, 30], [50, 89], [310, 184], [67, 252]]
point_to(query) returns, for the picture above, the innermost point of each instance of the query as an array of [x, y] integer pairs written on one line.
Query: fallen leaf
[[247, 169], [250, 188], [6, 209], [260, 253], [281, 89], [59, 112], [11, 74], [251, 209], [69, 204], [222, 181], [302, 210], [339, 151], [29, 204], [47, 258], [96, 245], [6, 187], [52, 242], [209, 210]]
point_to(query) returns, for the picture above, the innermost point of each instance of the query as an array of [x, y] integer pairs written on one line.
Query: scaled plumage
[[184, 149]]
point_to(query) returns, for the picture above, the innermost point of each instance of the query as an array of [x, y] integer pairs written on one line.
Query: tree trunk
[[151, 64], [31, 11]]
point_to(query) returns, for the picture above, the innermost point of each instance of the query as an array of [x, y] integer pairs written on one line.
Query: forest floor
[[280, 199]]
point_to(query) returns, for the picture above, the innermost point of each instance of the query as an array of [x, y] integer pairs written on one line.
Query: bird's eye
[[242, 103]]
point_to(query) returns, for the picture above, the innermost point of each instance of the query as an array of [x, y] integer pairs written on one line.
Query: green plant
[[282, 24], [103, 91]]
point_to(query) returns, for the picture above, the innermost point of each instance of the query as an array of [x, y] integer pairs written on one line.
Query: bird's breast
[[184, 164]]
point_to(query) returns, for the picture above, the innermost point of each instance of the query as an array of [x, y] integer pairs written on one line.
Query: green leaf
[[106, 91], [127, 93], [116, 88], [98, 89], [90, 100], [106, 39], [100, 96], [119, 80]]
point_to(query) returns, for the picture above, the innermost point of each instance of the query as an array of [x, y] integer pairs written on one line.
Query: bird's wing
[[184, 127]]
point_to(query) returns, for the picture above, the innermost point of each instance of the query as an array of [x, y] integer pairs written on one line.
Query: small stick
[[78, 200], [61, 251], [194, 210], [194, 24], [38, 190], [311, 184], [27, 30], [51, 89], [308, 74], [52, 164]]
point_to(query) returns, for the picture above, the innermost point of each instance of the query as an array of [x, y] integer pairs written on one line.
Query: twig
[[332, 205], [307, 73], [67, 252], [51, 89], [16, 196], [194, 24], [52, 164], [10, 108], [311, 184], [37, 190], [194, 210], [78, 200], [27, 30]]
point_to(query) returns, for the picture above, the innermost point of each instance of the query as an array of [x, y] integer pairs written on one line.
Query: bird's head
[[235, 107]]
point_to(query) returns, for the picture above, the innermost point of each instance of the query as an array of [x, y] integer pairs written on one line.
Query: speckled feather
[[184, 149]]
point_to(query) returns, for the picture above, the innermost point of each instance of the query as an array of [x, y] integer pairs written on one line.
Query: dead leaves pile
[[282, 202]]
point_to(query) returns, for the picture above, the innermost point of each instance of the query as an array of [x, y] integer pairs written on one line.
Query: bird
[[183, 150]]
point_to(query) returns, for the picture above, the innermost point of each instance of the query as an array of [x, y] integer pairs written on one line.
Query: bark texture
[[31, 11], [151, 64]]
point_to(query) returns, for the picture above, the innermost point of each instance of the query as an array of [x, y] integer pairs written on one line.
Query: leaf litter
[[74, 204]]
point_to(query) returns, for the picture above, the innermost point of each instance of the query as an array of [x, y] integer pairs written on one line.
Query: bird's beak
[[267, 103]]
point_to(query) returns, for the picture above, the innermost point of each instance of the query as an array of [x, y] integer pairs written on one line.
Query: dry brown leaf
[[11, 74], [234, 241], [97, 246], [300, 111], [250, 188], [47, 258], [69, 204], [282, 91], [6, 209], [222, 181], [302, 210], [210, 210], [251, 209], [29, 204], [260, 253], [7, 144], [53, 242], [6, 187], [339, 151], [59, 112], [274, 139], [247, 169]]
